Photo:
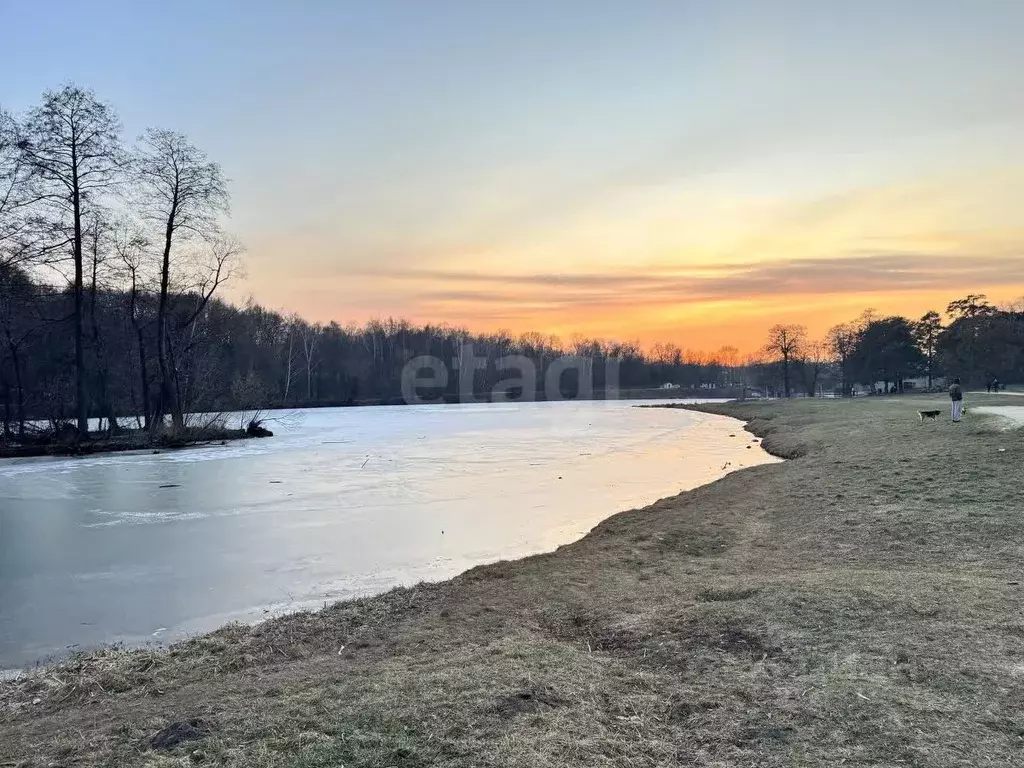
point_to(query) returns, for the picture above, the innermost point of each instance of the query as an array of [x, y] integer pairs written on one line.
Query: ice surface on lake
[[341, 502]]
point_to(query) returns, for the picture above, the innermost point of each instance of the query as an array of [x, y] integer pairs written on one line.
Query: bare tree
[[183, 193], [130, 245], [729, 357], [746, 373], [971, 305], [202, 271], [72, 144], [293, 325], [99, 233], [311, 333], [814, 359], [785, 342], [926, 334], [841, 341], [16, 194]]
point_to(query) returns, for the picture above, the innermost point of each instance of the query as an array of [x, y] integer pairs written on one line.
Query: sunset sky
[[656, 170]]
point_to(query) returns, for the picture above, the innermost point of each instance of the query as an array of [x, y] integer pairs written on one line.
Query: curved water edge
[[147, 549]]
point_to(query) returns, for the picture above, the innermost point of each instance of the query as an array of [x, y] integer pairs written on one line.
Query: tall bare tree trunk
[[147, 398], [81, 387], [288, 368], [106, 407], [12, 348], [168, 402], [147, 402]]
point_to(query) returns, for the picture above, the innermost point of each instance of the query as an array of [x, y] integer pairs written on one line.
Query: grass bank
[[858, 605]]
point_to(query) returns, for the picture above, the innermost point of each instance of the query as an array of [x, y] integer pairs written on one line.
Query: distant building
[[921, 382], [909, 385]]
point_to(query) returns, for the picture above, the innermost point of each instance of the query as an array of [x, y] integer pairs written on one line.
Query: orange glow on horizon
[[678, 264], [700, 327]]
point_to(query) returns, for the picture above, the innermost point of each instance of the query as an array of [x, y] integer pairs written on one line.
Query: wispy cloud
[[856, 273]]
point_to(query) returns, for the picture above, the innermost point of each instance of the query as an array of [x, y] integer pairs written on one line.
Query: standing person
[[995, 385], [956, 395]]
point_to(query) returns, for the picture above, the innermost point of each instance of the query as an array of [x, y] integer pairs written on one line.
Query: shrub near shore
[[57, 443]]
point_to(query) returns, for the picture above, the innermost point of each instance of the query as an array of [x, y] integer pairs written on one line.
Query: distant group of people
[[992, 384]]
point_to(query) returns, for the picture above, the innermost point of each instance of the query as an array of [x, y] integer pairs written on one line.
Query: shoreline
[[760, 428], [799, 609], [127, 442], [585, 527], [131, 440], [479, 398]]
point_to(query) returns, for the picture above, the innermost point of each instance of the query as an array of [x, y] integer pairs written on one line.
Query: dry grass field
[[859, 605]]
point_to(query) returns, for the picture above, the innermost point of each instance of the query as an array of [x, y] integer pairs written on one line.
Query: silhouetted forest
[[228, 357], [980, 343]]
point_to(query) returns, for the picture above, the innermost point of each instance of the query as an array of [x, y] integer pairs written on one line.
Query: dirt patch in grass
[[179, 732], [725, 594], [859, 605], [527, 701]]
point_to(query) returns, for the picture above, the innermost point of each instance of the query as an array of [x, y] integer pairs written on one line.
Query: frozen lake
[[340, 503]]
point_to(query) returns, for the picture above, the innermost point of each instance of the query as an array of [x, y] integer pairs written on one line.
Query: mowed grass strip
[[860, 604]]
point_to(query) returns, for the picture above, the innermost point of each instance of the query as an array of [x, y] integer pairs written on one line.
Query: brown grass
[[860, 605]]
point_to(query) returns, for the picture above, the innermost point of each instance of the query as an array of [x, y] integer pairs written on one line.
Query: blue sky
[[430, 159]]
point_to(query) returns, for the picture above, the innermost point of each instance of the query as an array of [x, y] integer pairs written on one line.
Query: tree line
[[225, 357], [979, 342]]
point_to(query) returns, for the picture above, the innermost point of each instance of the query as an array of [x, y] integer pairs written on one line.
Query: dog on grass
[[935, 414]]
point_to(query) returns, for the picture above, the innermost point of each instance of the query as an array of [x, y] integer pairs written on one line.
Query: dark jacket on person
[[955, 392]]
